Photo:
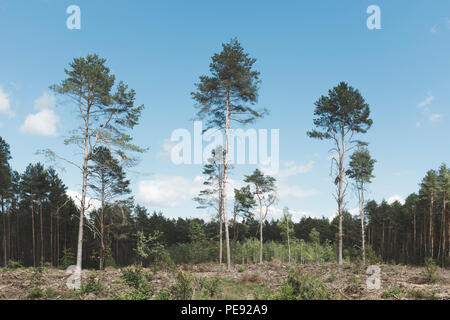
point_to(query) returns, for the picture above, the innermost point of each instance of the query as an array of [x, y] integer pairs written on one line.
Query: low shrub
[[431, 270], [395, 292], [93, 285], [211, 287], [303, 286]]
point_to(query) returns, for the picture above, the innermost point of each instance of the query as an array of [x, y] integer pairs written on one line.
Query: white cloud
[[164, 191], [433, 29], [5, 103], [289, 191], [167, 146], [425, 102], [354, 211], [45, 101], [289, 169], [404, 173], [292, 169], [435, 116], [394, 198], [91, 204], [42, 123]]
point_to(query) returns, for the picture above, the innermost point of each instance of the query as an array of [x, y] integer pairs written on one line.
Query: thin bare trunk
[[102, 215], [83, 194], [5, 258], [260, 232], [289, 244], [32, 233], [340, 194], [361, 212], [41, 231], [431, 235], [51, 239], [225, 171]]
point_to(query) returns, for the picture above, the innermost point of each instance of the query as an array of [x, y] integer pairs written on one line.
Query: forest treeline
[[40, 225]]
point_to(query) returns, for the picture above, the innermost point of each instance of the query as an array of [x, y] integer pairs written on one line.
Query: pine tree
[[228, 95], [108, 182], [360, 170], [34, 186], [444, 191], [5, 185], [341, 115], [429, 189], [211, 197], [244, 202], [106, 118], [265, 191]]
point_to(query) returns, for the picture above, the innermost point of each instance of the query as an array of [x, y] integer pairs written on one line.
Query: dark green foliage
[[35, 293], [211, 286], [303, 286], [183, 288], [133, 277], [139, 281], [431, 270], [394, 292], [92, 285], [343, 109], [361, 166], [232, 75], [67, 258]]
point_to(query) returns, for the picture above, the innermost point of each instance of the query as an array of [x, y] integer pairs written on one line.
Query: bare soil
[[347, 281]]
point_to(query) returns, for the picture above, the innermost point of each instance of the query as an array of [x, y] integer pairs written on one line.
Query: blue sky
[[303, 48]]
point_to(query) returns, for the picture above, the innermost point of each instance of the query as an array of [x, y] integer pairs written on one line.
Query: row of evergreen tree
[[417, 229], [40, 221]]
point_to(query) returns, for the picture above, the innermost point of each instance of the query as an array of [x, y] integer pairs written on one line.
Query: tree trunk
[[361, 212], [415, 236], [260, 232], [340, 194], [5, 257], [57, 239], [225, 171], [41, 231], [220, 211], [289, 244], [51, 240], [102, 215], [443, 223], [220, 238], [32, 233], [82, 209], [431, 231]]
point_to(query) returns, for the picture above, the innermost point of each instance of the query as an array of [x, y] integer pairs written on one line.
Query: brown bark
[[5, 257], [41, 231], [32, 233], [102, 214], [225, 171]]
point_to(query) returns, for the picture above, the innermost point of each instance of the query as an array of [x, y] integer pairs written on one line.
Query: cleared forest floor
[[246, 282]]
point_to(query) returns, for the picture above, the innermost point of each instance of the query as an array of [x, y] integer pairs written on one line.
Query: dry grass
[[256, 281]]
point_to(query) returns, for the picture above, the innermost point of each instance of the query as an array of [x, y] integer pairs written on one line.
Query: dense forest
[[39, 225]]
